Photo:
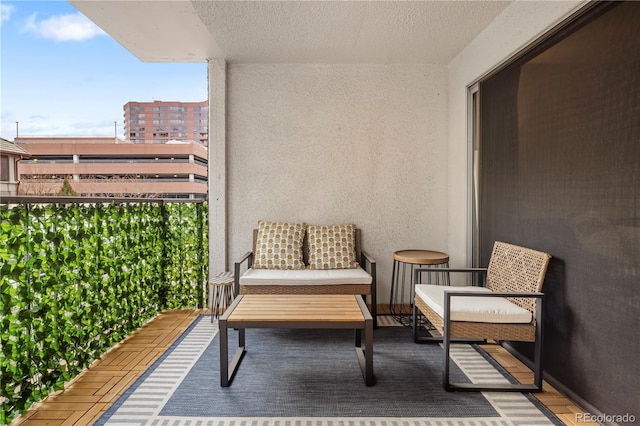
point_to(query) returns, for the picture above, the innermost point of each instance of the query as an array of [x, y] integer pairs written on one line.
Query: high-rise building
[[109, 167], [161, 121]]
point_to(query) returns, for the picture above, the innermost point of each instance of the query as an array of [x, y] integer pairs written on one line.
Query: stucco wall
[[332, 144], [519, 25], [382, 146]]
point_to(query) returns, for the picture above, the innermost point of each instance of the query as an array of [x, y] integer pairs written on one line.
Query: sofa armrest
[[248, 258], [367, 260]]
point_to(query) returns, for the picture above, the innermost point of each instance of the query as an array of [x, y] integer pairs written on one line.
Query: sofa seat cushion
[[305, 276], [473, 309]]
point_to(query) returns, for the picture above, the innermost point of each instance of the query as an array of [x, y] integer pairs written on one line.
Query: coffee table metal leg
[[228, 369], [224, 353], [237, 358], [365, 355], [368, 352]]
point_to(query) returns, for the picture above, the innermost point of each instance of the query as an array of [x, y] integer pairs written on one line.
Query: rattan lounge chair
[[489, 312]]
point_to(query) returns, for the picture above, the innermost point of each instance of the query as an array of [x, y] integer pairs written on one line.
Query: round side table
[[408, 260], [220, 293]]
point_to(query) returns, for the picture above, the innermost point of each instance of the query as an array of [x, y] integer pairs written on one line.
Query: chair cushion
[[473, 309], [305, 277]]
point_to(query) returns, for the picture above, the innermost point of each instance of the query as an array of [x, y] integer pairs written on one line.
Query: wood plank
[[118, 388], [43, 422], [62, 405], [67, 397], [82, 389], [73, 418], [90, 416]]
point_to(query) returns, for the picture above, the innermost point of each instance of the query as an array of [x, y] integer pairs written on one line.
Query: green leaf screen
[[75, 279]]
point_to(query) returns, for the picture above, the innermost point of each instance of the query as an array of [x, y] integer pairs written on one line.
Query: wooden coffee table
[[320, 311]]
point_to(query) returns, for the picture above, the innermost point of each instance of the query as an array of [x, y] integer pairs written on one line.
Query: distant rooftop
[[12, 148]]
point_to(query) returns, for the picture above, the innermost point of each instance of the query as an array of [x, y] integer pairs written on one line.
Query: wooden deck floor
[[94, 390]]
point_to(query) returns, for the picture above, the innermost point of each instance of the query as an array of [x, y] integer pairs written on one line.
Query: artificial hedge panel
[[185, 262], [77, 278]]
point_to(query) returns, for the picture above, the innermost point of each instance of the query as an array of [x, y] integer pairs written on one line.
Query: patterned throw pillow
[[279, 245], [332, 247]]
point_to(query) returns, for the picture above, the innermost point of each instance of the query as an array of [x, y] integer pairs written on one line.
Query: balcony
[[390, 123]]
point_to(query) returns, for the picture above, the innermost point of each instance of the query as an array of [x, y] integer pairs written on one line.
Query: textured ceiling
[[293, 31]]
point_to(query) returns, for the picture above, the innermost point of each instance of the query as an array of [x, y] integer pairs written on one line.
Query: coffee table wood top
[[303, 308]]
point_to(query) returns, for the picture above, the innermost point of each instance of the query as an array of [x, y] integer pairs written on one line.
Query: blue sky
[[60, 75]]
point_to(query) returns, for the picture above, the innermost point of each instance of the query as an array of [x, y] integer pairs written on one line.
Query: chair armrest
[[449, 294], [417, 271], [436, 269], [248, 258]]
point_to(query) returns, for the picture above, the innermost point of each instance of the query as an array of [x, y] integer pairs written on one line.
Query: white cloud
[[5, 11], [71, 27]]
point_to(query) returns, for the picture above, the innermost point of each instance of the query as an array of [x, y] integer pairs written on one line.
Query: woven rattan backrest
[[517, 269], [305, 246]]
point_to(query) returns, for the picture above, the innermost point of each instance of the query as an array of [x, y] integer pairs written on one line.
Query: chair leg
[[414, 323], [538, 352], [488, 387], [537, 368], [535, 387], [446, 343]]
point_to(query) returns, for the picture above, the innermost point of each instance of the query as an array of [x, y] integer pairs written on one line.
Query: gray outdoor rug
[[312, 377]]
